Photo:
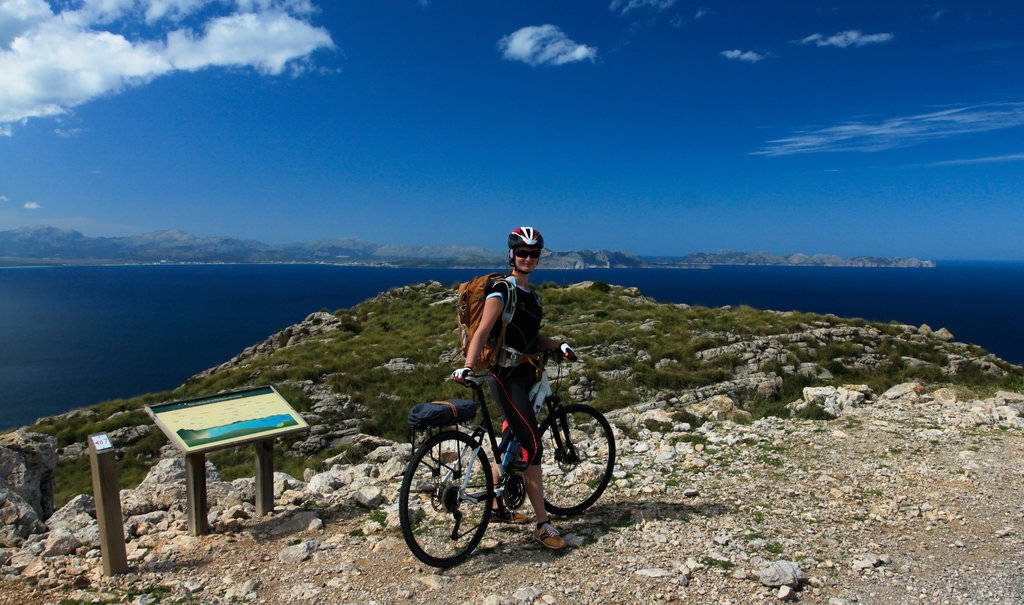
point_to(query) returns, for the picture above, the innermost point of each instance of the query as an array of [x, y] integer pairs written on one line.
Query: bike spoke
[[444, 500], [579, 455]]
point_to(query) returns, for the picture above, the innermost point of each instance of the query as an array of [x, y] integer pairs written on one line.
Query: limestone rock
[[128, 435], [17, 518], [399, 365], [325, 483], [780, 573], [60, 542], [164, 487], [655, 419], [907, 390], [244, 591], [866, 561], [369, 497], [284, 482], [299, 552], [384, 453], [717, 408], [945, 397], [834, 400], [306, 520], [78, 516], [27, 462]]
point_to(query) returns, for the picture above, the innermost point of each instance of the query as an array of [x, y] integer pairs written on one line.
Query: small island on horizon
[[50, 246]]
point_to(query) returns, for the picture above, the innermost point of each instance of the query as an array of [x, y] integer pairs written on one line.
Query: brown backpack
[[470, 306]]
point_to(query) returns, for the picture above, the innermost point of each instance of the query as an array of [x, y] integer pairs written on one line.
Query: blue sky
[[663, 127]]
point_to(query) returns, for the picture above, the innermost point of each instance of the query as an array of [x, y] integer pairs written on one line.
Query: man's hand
[[567, 352], [460, 374]]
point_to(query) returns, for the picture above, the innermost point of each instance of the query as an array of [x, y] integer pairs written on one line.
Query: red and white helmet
[[525, 236]]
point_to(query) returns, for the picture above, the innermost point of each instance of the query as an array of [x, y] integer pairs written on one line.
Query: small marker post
[[103, 460]]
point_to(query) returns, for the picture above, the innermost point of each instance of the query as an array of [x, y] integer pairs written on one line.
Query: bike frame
[[486, 427]]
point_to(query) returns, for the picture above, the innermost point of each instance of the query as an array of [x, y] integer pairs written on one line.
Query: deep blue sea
[[76, 336]]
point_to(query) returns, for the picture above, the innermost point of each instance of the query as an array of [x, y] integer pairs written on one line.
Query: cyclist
[[510, 382]]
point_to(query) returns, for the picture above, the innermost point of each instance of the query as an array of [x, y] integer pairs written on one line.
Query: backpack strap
[[507, 311], [509, 307]]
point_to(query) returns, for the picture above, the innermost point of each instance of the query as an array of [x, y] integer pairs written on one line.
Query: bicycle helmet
[[525, 236]]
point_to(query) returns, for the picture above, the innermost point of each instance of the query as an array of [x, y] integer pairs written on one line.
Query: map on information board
[[226, 419]]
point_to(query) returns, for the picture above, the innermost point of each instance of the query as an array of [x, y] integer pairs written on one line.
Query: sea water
[[75, 336]]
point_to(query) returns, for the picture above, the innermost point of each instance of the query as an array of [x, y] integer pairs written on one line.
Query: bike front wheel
[[445, 499], [579, 455]]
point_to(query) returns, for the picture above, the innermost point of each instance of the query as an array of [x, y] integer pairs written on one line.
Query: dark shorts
[[510, 387]]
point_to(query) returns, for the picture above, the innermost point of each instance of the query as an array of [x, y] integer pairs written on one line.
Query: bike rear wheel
[[445, 499], [579, 455]]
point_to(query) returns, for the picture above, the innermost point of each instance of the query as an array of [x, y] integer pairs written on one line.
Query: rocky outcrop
[[833, 400], [163, 489], [316, 325], [27, 462], [18, 519]]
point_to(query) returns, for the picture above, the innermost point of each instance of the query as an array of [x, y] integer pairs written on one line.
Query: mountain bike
[[448, 489]]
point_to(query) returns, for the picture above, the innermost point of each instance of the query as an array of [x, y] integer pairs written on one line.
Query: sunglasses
[[530, 253]]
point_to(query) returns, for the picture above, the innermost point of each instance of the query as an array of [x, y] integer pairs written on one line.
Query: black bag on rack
[[442, 413]]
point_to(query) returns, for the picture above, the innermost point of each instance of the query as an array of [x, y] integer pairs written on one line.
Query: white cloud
[[901, 131], [743, 55], [267, 41], [19, 15], [628, 5], [32, 206], [51, 62], [544, 45], [3, 198], [996, 159], [846, 39]]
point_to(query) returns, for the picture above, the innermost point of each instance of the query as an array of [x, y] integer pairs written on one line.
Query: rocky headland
[[763, 456]]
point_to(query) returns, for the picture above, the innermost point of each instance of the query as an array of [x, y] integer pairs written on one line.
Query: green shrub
[[815, 412]]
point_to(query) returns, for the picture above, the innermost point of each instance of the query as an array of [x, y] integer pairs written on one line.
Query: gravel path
[[894, 502]]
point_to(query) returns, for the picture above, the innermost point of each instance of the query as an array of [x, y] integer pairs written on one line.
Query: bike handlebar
[[477, 380]]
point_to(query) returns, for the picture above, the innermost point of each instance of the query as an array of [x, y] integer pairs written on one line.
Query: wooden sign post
[[195, 495], [103, 460], [197, 426], [264, 477]]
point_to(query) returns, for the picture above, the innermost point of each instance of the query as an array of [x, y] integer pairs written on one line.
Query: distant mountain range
[[44, 245]]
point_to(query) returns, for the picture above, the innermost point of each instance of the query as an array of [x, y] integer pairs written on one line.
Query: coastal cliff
[[764, 455]]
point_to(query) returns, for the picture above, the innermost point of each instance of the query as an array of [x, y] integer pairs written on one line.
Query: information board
[[226, 419]]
